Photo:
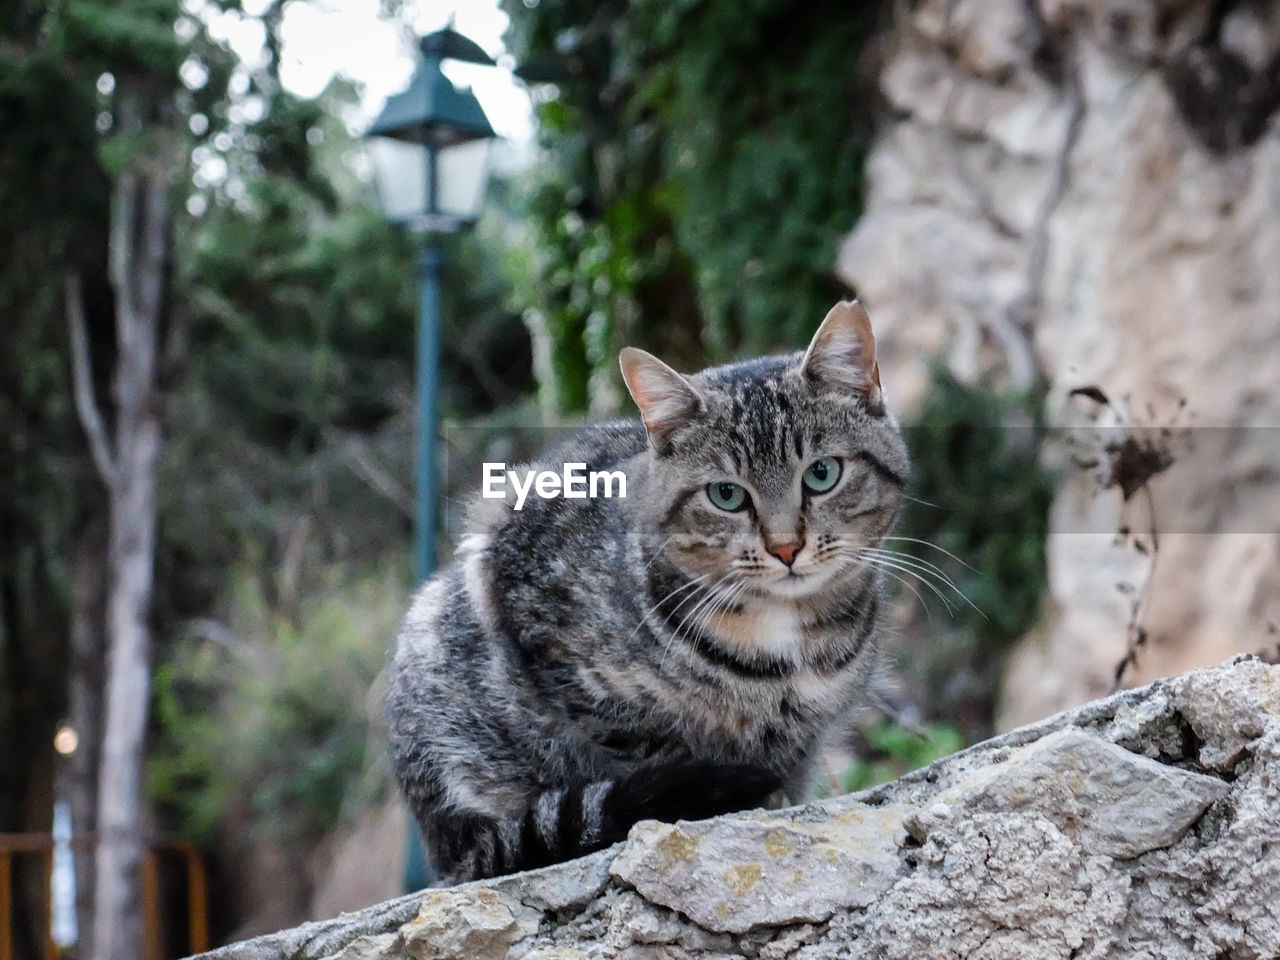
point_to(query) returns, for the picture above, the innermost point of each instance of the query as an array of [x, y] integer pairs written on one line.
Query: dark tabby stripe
[[883, 469], [755, 669]]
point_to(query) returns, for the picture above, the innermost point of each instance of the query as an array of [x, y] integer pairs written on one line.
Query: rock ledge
[[1144, 825]]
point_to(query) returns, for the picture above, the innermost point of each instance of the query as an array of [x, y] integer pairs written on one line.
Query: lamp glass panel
[[463, 172], [400, 173]]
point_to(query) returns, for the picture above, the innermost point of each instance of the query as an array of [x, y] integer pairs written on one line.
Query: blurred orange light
[[66, 740]]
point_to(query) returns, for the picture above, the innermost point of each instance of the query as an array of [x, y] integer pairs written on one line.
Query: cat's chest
[[772, 630], [782, 633]]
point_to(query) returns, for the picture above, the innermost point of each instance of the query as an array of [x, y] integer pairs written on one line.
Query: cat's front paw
[[689, 790]]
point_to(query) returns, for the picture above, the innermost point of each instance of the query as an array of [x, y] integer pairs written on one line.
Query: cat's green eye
[[726, 495], [822, 475]]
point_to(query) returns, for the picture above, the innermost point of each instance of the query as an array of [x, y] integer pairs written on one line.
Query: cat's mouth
[[794, 583]]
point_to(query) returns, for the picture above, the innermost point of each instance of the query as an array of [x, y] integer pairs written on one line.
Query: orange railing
[[42, 844]]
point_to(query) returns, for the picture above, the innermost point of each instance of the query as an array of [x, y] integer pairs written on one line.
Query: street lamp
[[429, 149]]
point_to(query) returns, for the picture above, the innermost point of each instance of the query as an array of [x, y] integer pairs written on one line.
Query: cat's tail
[[579, 819]]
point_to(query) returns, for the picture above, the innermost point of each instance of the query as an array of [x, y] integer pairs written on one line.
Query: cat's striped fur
[[588, 663]]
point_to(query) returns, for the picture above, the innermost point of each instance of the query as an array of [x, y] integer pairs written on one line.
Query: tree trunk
[[127, 462], [88, 643]]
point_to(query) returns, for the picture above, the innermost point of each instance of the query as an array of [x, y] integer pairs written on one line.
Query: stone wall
[[1145, 825], [1087, 193]]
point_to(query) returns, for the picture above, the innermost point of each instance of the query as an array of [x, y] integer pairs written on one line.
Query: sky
[[347, 37]]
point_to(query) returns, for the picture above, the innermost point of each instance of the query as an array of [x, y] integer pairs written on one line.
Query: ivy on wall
[[980, 515], [703, 158]]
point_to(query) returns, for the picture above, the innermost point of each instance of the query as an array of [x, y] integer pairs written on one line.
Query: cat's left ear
[[667, 401], [842, 354]]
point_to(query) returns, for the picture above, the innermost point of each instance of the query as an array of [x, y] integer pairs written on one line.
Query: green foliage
[[981, 498], [703, 159], [264, 726], [763, 147], [291, 419], [130, 37], [893, 750]]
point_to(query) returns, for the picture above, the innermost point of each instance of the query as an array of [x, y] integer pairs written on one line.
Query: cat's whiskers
[[658, 552], [654, 609], [885, 563], [837, 547], [710, 596], [722, 605], [727, 603], [671, 634], [923, 569], [931, 569], [934, 546], [925, 503], [924, 605], [898, 578]]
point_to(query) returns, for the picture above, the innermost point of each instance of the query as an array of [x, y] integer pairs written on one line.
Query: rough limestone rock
[[1088, 191], [479, 924], [734, 873], [1113, 802], [1145, 825]]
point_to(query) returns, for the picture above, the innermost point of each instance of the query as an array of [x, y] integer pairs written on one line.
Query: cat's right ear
[[842, 354], [667, 401]]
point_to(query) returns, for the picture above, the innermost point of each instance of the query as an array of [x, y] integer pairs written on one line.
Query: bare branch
[[477, 360], [219, 634], [378, 480], [82, 380]]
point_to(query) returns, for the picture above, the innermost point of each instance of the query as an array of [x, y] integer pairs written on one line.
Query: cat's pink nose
[[786, 552]]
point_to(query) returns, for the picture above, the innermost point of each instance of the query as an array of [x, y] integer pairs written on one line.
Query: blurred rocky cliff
[[1083, 199]]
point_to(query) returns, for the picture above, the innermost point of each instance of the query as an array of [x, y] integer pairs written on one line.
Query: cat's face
[[774, 479]]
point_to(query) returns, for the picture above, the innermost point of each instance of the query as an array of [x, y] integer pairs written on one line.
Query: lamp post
[[429, 148]]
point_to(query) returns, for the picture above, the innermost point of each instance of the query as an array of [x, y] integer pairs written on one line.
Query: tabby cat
[[677, 654]]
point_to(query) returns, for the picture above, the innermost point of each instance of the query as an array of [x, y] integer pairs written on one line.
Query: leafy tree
[[87, 94], [263, 712], [140, 153]]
